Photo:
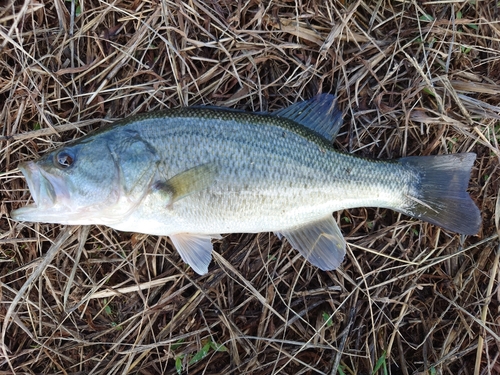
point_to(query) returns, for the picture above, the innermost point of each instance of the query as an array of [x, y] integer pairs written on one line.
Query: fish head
[[75, 184]]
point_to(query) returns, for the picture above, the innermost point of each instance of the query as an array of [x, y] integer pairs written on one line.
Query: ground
[[412, 78]]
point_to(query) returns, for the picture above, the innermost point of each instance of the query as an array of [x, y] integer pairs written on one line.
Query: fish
[[192, 173]]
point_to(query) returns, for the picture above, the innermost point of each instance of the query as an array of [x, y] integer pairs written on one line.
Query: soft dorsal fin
[[319, 114], [320, 242]]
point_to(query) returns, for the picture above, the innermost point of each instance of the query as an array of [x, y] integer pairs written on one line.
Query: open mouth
[[40, 188], [57, 200], [46, 190]]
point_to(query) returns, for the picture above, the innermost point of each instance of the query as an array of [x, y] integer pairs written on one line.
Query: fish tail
[[441, 196]]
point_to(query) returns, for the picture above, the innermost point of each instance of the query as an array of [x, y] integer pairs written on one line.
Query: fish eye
[[64, 159]]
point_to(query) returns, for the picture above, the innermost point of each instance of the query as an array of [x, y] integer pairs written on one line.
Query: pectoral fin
[[187, 182], [195, 250], [320, 242]]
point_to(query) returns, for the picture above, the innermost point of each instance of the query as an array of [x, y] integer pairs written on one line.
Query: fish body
[[193, 173]]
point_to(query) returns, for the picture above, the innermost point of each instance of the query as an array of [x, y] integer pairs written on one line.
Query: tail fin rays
[[442, 197]]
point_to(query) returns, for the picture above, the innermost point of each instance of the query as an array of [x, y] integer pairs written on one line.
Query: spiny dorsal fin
[[319, 114]]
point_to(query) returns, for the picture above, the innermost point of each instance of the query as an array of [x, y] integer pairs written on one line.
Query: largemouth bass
[[193, 173]]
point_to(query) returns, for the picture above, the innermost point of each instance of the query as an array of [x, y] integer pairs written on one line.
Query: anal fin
[[320, 242], [194, 249]]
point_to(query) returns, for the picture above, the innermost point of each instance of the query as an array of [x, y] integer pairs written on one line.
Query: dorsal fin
[[319, 114]]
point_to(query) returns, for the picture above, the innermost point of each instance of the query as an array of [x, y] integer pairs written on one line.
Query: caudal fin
[[441, 196]]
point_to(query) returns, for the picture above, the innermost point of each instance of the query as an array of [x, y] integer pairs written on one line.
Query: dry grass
[[413, 78]]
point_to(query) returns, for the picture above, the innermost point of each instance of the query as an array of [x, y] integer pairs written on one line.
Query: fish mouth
[[48, 192]]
